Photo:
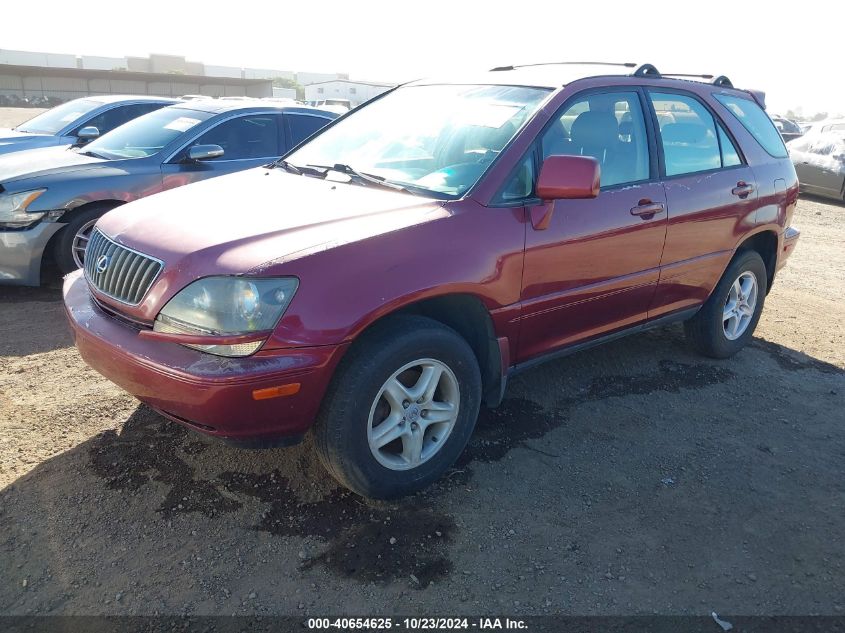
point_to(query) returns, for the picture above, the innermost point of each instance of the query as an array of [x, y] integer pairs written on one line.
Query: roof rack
[[686, 75], [642, 70], [514, 67], [646, 70]]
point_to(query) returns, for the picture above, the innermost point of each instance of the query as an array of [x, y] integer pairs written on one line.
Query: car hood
[[249, 221], [14, 141], [43, 162]]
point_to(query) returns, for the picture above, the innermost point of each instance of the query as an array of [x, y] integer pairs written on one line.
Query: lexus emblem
[[102, 263]]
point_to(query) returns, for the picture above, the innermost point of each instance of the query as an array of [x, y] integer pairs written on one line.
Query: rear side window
[[757, 122], [301, 126], [610, 128], [688, 134]]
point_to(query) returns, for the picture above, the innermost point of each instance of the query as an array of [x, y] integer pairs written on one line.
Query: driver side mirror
[[87, 134], [564, 178], [204, 152], [568, 178]]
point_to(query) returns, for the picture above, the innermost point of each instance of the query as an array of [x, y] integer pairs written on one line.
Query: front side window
[[147, 134], [245, 137], [607, 126], [117, 116], [59, 117], [754, 119], [439, 139]]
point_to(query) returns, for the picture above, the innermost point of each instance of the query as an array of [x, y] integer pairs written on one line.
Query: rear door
[[711, 197], [595, 268], [822, 168], [248, 140]]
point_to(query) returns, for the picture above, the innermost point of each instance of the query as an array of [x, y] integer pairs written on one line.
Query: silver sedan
[[819, 160]]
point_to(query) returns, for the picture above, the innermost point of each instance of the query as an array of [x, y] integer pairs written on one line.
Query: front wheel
[[400, 409], [73, 239], [727, 320]]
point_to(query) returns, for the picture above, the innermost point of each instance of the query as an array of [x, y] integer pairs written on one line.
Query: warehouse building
[[356, 92], [31, 75]]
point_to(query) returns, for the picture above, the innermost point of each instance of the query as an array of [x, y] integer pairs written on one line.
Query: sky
[[793, 53]]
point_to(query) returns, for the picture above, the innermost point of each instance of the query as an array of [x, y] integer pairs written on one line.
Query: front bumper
[[21, 253], [211, 394]]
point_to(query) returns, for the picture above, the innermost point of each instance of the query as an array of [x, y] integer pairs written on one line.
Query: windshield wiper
[[295, 169], [88, 152], [364, 177]]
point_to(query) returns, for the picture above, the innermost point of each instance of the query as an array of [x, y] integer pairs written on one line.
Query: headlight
[[227, 306], [13, 206]]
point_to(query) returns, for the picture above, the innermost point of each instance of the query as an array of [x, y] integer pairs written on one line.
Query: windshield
[[147, 134], [440, 139], [60, 117]]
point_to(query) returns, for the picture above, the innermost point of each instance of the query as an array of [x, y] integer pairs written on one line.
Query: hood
[[43, 162], [246, 221], [15, 141]]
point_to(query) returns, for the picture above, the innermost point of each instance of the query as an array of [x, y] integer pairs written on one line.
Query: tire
[[713, 335], [358, 403], [81, 221]]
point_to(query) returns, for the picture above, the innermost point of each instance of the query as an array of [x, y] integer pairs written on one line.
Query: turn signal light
[[276, 392]]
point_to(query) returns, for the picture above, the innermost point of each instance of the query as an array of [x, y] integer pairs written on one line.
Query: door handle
[[742, 189], [648, 208]]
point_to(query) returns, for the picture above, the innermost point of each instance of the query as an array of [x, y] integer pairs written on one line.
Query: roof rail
[[514, 67], [687, 75], [722, 82], [646, 70]]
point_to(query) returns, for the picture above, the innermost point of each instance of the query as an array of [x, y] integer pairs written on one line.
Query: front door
[[594, 269]]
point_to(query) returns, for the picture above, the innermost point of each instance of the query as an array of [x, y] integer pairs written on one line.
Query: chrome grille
[[117, 271]]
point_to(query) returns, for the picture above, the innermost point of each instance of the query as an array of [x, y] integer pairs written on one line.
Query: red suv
[[385, 278]]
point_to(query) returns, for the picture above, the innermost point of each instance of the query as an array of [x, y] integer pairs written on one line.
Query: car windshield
[[60, 117], [147, 134], [439, 139]]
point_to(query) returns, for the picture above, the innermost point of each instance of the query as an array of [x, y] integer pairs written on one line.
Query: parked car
[[77, 122], [789, 130], [388, 276], [819, 160], [52, 197]]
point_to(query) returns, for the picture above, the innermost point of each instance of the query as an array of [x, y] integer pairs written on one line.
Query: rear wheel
[[727, 320], [400, 409]]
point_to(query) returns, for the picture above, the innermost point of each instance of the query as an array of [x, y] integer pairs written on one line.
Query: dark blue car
[[64, 124], [51, 198]]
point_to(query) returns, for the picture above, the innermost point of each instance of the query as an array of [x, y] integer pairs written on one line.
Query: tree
[[284, 82]]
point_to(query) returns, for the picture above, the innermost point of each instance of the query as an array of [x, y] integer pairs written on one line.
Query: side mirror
[[204, 152], [564, 178], [569, 178], [87, 134]]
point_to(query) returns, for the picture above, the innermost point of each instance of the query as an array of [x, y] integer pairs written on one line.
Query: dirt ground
[[10, 117], [635, 478]]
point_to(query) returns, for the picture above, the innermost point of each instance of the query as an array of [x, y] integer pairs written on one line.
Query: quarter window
[[255, 136], [610, 128], [757, 122]]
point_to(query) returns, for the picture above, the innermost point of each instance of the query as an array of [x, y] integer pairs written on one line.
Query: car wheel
[[70, 243], [400, 409], [726, 321]]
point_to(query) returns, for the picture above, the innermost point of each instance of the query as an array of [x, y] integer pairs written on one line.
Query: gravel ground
[[635, 478]]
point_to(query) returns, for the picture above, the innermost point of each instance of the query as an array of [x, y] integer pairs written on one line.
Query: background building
[[355, 91], [35, 76]]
